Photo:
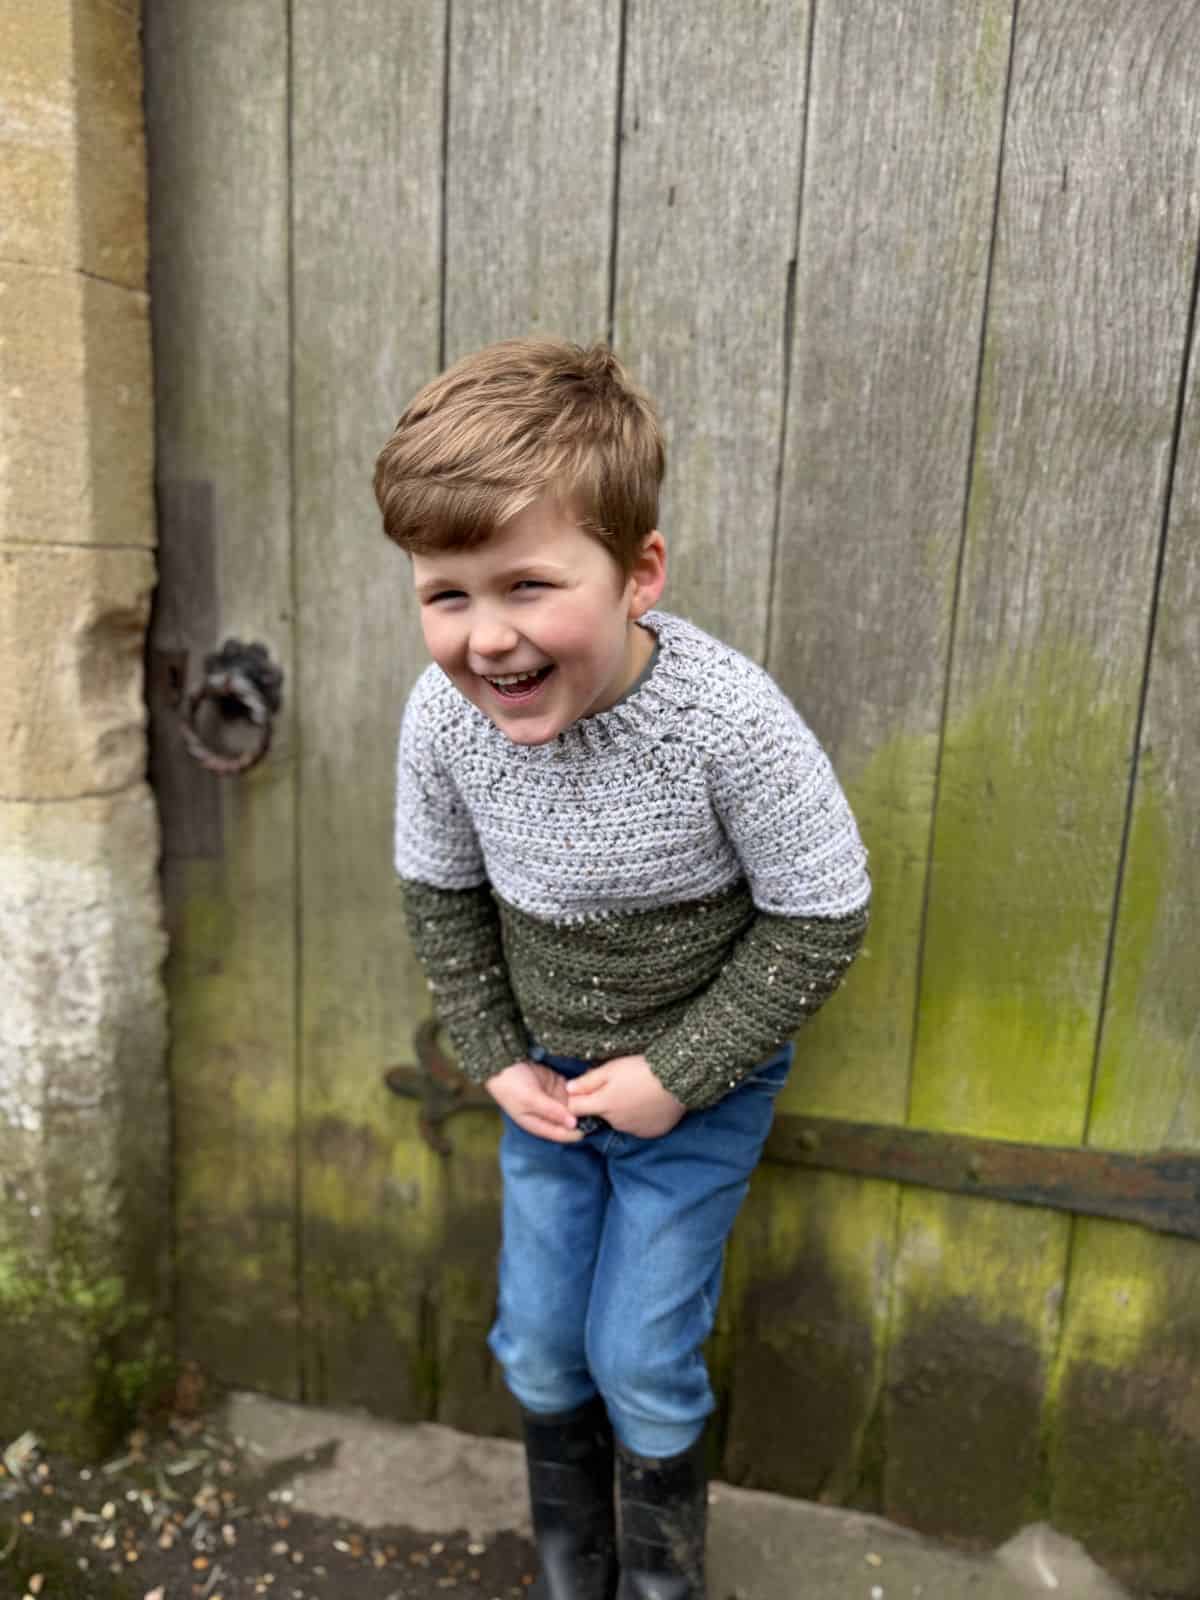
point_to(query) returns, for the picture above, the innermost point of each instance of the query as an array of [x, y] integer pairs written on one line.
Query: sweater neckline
[[630, 710], [625, 715]]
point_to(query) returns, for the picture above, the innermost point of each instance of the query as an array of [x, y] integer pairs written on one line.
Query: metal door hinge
[[1157, 1189]]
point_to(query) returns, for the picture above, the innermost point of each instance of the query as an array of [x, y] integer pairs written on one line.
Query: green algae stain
[[976, 1314], [1132, 1326], [805, 1326], [1150, 1020], [1026, 850], [852, 1059], [1124, 1449], [991, 57]]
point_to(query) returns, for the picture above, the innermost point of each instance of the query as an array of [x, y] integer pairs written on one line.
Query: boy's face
[[544, 603]]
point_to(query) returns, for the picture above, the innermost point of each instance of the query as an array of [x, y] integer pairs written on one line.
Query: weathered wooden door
[[915, 289]]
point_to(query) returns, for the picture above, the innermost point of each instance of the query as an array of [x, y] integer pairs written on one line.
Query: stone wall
[[83, 1104]]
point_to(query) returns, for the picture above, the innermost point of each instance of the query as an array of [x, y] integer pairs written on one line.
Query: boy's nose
[[492, 637]]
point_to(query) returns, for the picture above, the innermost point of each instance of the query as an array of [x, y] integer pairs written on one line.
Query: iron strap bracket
[[1158, 1189], [437, 1085]]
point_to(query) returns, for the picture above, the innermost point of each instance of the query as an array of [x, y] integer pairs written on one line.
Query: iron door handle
[[245, 686]]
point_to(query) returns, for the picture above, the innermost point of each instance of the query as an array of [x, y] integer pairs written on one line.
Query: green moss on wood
[[1147, 1093], [1123, 1447], [977, 1301], [1026, 850], [809, 1266], [853, 1058]]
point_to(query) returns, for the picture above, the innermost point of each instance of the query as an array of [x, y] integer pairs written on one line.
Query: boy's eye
[[443, 594], [532, 583]]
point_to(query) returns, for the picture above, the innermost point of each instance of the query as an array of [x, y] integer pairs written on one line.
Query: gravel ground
[[252, 1496], [185, 1512]]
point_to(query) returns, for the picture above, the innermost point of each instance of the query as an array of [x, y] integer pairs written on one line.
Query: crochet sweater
[[678, 876]]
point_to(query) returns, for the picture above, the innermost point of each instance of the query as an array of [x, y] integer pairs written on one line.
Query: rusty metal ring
[[246, 686], [236, 687]]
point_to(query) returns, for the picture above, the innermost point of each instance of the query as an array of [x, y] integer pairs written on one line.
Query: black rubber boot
[[570, 1460], [664, 1519]]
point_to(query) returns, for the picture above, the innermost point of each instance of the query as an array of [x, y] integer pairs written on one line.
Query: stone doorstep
[[761, 1546]]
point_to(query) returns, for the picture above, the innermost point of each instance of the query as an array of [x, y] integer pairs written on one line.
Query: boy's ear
[[649, 574]]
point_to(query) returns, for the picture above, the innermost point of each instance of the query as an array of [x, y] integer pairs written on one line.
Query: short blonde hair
[[511, 423]]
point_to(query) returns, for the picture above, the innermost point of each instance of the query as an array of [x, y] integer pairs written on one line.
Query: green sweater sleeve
[[779, 974], [456, 934]]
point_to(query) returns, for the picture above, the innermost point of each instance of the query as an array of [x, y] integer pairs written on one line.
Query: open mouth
[[515, 687]]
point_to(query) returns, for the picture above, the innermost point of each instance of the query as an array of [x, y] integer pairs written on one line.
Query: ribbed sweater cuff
[[485, 1050], [699, 1072], [781, 973]]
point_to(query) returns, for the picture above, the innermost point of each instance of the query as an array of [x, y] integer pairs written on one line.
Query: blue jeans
[[610, 1267]]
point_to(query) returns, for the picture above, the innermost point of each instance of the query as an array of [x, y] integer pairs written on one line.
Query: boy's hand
[[628, 1096], [535, 1097]]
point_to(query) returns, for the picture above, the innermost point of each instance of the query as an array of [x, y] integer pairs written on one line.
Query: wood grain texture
[[1128, 1377], [1084, 346], [367, 107], [900, 170], [712, 123], [899, 194], [531, 153], [216, 78]]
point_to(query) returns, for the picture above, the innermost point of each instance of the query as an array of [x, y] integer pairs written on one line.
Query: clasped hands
[[624, 1092]]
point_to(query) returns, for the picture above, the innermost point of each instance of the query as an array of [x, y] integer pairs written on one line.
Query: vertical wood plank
[[904, 126], [216, 89], [1126, 1447], [711, 131], [1084, 346], [366, 136], [531, 153]]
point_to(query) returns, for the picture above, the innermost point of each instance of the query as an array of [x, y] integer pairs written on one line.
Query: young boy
[[630, 874]]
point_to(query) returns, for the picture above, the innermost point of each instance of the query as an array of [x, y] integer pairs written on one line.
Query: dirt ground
[[185, 1513], [252, 1496]]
